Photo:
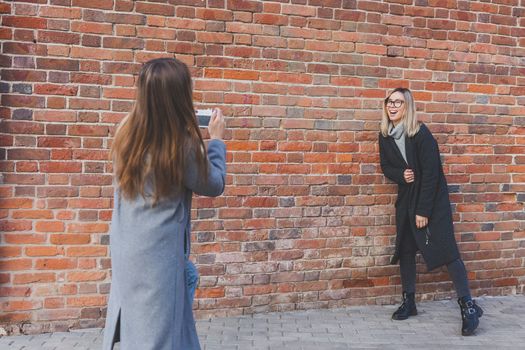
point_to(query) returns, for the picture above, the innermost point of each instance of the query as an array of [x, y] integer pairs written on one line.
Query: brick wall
[[307, 218]]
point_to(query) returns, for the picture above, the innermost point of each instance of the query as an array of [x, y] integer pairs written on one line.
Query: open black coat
[[426, 196]]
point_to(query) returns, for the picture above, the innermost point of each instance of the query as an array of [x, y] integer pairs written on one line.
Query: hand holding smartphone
[[216, 125]]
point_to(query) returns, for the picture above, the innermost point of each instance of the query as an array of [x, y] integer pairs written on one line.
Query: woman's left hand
[[217, 125], [421, 221]]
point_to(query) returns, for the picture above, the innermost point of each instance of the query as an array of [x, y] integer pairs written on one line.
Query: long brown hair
[[154, 140], [409, 120]]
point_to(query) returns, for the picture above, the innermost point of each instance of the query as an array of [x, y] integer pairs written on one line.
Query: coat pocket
[[428, 236]]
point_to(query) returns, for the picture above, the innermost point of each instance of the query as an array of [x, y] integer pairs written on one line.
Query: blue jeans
[[192, 278]]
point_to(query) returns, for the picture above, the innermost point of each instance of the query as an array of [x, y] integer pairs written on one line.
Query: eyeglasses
[[394, 103]]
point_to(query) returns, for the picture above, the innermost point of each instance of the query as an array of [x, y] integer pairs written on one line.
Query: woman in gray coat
[[159, 161], [410, 157]]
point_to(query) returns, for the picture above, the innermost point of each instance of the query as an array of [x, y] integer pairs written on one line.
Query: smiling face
[[395, 107]]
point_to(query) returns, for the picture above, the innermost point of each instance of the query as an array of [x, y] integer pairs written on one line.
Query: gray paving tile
[[361, 327]]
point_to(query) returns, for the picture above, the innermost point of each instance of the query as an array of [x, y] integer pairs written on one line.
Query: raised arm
[[214, 185]]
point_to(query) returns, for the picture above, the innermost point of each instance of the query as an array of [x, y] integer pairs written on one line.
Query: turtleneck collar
[[397, 132]]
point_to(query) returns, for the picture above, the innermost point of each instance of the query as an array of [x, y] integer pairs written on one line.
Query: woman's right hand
[[217, 125], [409, 176]]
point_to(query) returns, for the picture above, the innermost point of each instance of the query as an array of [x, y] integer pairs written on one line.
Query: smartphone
[[203, 117]]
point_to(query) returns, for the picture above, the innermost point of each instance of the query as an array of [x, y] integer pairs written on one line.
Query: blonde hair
[[154, 140], [409, 119]]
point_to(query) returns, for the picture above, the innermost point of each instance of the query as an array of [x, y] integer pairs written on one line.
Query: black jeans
[[407, 265]]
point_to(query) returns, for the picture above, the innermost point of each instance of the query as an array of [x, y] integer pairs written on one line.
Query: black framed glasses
[[394, 103]]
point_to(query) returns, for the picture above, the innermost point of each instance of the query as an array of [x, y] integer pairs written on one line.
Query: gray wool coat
[[149, 306]]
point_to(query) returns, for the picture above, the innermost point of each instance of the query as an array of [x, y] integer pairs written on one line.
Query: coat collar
[[396, 149]]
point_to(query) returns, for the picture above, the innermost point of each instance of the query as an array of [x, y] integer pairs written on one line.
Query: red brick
[[49, 226], [23, 101], [5, 8], [24, 238], [214, 14], [23, 75], [155, 9], [55, 116], [60, 12], [70, 239], [16, 203], [124, 5], [25, 154], [203, 293], [287, 255], [83, 103], [258, 290], [123, 43], [32, 214], [26, 278], [54, 89], [26, 167], [88, 130], [60, 167], [56, 102], [98, 4], [92, 27], [57, 314], [55, 264], [58, 38], [43, 251], [127, 19], [16, 264], [21, 317], [218, 38], [87, 251], [57, 64], [82, 301], [244, 5], [10, 251], [61, 142], [87, 228], [24, 22], [54, 303], [119, 93], [261, 202], [85, 276], [235, 213]]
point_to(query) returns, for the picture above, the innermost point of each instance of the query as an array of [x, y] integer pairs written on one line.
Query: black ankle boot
[[407, 308], [470, 314]]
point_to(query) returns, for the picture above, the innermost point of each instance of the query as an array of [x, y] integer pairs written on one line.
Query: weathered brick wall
[[307, 218]]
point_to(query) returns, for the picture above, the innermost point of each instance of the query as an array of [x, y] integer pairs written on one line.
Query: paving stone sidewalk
[[361, 327]]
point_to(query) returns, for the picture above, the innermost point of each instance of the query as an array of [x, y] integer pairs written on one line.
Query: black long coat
[[426, 196]]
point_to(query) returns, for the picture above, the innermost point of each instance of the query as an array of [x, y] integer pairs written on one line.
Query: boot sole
[[466, 334], [399, 318], [469, 333]]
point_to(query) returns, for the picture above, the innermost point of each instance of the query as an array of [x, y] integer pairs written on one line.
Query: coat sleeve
[[428, 158], [214, 186], [393, 173]]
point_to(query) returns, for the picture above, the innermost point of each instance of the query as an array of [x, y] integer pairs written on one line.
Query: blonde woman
[[410, 157], [159, 160]]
